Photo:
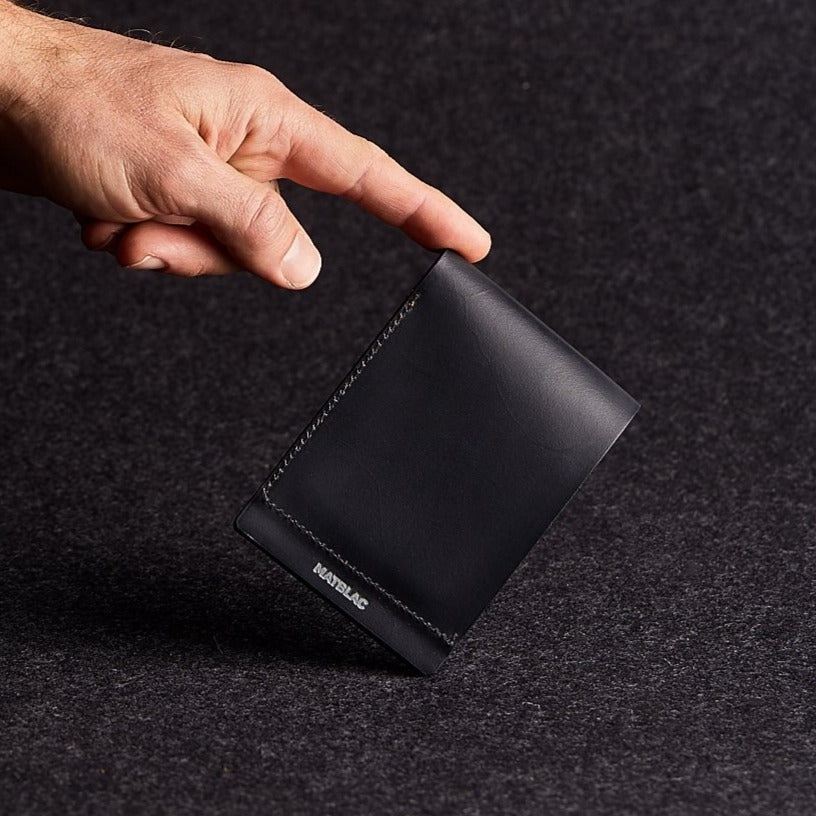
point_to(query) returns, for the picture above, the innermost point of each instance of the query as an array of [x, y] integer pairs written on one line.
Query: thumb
[[249, 218]]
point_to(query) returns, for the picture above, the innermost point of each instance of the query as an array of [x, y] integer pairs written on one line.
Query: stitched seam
[[306, 435], [342, 389], [357, 571]]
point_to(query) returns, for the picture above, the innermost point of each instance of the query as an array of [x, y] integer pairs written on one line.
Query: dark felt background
[[647, 172]]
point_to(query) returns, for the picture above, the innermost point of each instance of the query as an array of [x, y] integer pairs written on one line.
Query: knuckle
[[256, 77], [266, 220], [371, 155], [375, 151]]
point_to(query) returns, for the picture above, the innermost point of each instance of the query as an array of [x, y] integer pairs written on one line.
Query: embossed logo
[[341, 586]]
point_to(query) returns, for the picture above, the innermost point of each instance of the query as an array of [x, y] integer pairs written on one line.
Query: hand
[[166, 156]]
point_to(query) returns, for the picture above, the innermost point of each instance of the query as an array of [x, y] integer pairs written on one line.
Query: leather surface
[[438, 463]]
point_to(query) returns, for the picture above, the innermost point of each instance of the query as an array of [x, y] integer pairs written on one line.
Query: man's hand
[[166, 156]]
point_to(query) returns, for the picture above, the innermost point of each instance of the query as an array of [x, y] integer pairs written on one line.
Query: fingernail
[[301, 263], [109, 242], [148, 262]]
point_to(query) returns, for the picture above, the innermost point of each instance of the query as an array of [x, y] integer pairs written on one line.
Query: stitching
[[357, 571], [306, 435], [342, 389]]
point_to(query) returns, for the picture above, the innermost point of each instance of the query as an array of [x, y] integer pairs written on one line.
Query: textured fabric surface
[[647, 172]]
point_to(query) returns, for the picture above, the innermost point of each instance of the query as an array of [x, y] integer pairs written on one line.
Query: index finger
[[325, 156]]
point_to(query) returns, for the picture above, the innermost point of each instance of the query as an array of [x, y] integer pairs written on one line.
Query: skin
[[170, 159]]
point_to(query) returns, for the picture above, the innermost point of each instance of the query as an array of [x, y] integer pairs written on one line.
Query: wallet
[[437, 463]]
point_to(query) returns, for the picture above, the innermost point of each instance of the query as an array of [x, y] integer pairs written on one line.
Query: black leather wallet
[[437, 463]]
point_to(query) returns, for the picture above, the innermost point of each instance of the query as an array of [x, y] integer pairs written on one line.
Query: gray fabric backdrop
[[647, 172]]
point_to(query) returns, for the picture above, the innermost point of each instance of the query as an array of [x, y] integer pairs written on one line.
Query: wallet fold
[[437, 463]]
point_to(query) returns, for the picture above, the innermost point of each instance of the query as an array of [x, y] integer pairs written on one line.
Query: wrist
[[28, 42]]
